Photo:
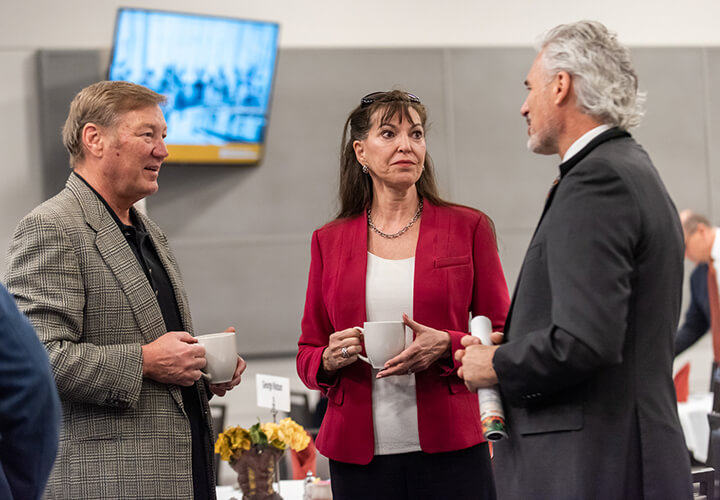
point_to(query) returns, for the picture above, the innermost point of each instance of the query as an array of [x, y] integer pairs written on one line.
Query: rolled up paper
[[492, 416]]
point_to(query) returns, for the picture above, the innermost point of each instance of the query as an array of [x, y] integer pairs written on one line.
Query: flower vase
[[256, 472]]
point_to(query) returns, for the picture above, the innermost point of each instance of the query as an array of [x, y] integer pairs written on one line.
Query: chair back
[[300, 410], [703, 483]]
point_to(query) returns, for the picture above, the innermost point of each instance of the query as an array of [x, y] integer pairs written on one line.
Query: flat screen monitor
[[217, 74]]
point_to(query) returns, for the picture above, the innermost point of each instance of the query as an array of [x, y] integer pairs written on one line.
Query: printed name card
[[273, 392]]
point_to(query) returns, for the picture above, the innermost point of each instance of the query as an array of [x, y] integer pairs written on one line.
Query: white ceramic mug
[[221, 356], [383, 341]]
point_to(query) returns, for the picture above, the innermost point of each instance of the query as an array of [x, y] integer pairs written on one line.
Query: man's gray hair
[[605, 82]]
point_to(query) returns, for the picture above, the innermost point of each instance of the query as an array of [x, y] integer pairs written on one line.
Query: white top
[[389, 294], [583, 141]]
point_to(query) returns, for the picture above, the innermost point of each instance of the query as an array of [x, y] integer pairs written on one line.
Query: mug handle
[[360, 356]]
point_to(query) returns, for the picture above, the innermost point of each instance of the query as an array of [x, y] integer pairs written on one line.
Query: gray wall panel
[[673, 130], [61, 74], [494, 170], [712, 97], [20, 187], [258, 287]]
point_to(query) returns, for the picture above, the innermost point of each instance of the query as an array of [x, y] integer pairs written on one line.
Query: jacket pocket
[[92, 423], [555, 418], [460, 260]]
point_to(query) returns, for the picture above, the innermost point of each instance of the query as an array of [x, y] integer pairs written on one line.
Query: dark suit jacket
[[586, 372], [29, 407], [697, 316], [75, 276], [457, 271]]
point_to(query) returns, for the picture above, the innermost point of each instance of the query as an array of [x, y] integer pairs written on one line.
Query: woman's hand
[[429, 346], [342, 349]]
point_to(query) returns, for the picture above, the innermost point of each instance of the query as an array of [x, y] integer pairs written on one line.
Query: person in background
[[100, 284], [585, 371], [397, 251], [29, 407], [702, 248]]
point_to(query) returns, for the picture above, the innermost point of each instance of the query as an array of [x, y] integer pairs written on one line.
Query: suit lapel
[[118, 256], [568, 165], [565, 167]]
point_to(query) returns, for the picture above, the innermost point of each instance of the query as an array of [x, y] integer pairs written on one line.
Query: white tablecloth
[[289, 490], [694, 422]]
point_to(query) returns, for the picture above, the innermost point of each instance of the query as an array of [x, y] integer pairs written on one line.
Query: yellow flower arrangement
[[234, 441]]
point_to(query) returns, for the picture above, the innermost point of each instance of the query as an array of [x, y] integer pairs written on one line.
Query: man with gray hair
[[100, 284], [585, 371]]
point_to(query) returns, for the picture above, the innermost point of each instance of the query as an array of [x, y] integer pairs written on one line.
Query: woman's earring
[[365, 169]]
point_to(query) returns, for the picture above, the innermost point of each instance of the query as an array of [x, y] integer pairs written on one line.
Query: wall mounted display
[[216, 72]]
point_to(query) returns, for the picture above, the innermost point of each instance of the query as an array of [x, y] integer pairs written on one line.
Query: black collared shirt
[[142, 246]]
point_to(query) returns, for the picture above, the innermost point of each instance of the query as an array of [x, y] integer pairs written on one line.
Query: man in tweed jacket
[[102, 288]]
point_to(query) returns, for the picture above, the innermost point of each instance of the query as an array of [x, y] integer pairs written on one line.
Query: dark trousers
[[460, 475]]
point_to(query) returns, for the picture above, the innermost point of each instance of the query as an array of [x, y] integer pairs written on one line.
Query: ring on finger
[[344, 353], [410, 372]]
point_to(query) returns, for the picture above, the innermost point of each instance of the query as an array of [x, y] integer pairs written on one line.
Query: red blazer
[[457, 272]]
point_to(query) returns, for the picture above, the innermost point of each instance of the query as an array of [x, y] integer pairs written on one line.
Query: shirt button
[[150, 271], [156, 293]]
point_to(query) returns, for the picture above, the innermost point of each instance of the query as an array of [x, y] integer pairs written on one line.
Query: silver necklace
[[403, 230]]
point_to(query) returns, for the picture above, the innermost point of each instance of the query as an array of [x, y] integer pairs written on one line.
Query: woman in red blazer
[[391, 215]]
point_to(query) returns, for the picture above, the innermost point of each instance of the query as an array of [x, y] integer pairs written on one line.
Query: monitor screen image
[[216, 73]]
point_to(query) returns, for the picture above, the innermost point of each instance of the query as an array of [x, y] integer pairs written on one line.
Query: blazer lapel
[[118, 256], [425, 252], [120, 259], [565, 167], [352, 272]]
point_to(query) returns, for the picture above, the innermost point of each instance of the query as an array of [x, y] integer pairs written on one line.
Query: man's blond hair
[[102, 103]]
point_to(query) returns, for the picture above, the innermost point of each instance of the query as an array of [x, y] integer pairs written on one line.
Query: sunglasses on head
[[374, 96]]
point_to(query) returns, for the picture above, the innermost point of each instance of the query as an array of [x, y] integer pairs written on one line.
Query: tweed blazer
[[76, 278]]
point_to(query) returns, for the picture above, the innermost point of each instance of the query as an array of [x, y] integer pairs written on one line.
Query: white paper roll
[[492, 415]]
